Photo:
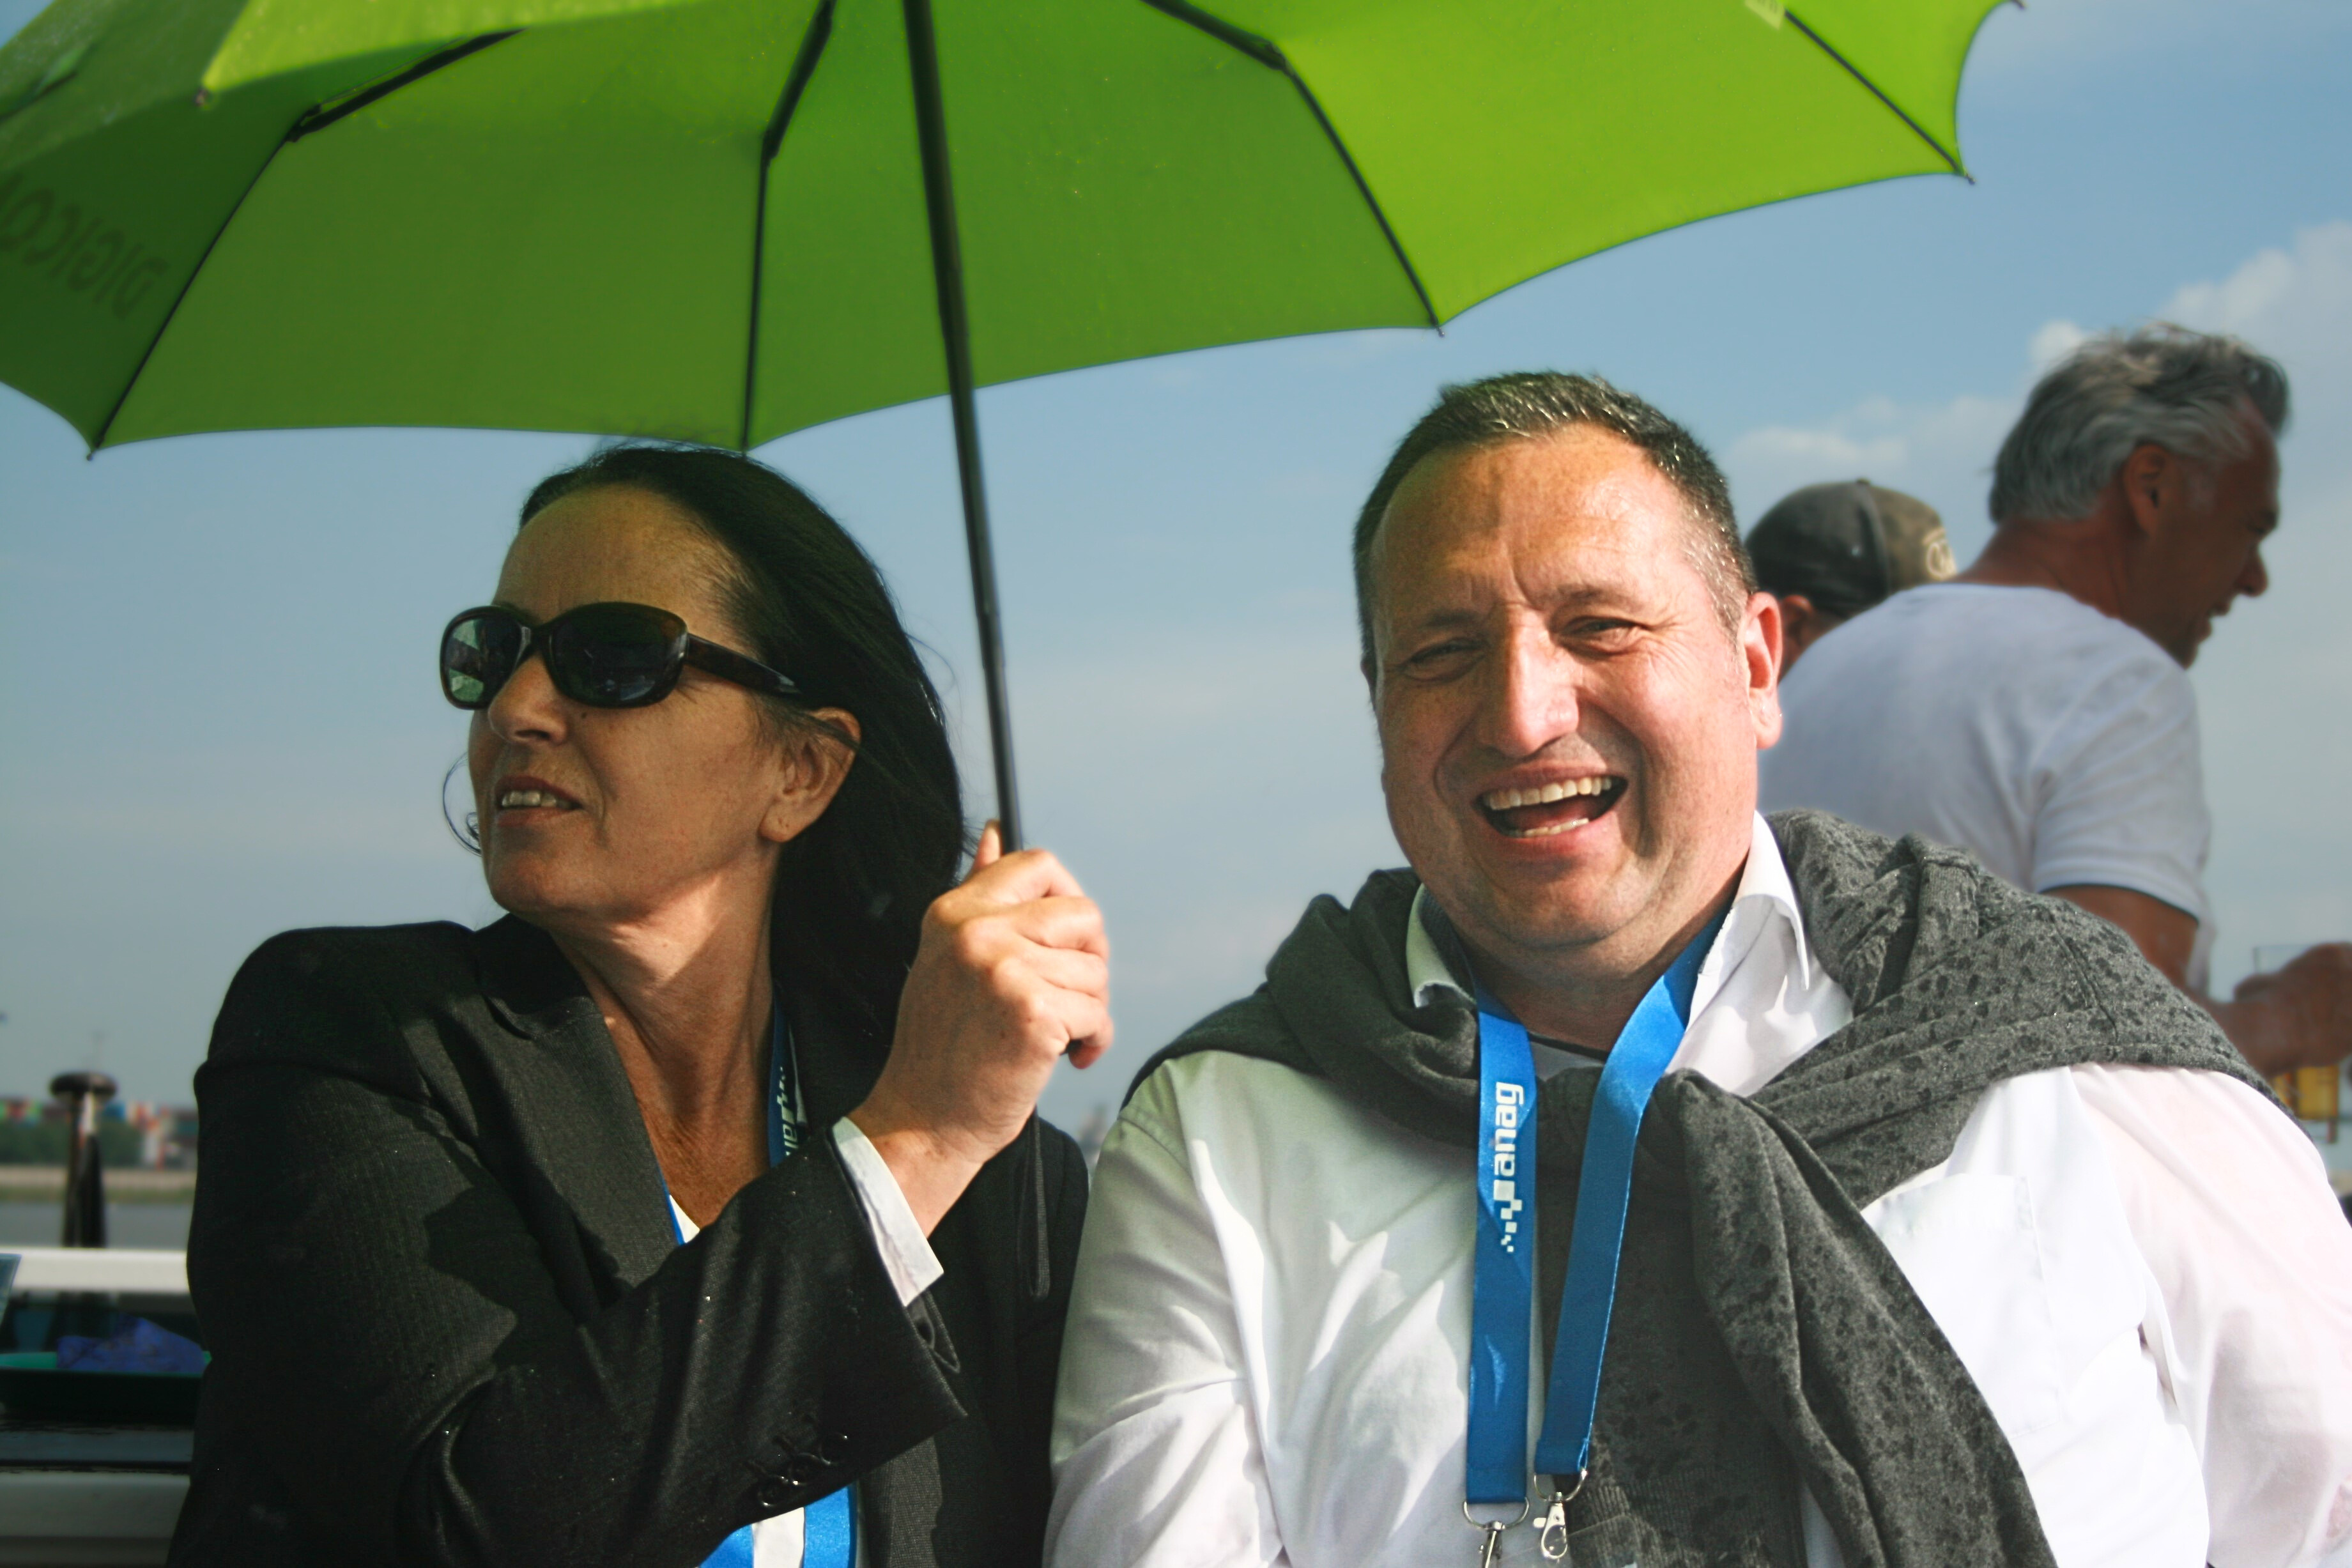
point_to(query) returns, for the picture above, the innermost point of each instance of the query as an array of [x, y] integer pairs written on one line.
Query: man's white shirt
[[1266, 1359]]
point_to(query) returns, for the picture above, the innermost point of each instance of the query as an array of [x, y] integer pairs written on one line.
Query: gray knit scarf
[[1762, 1335]]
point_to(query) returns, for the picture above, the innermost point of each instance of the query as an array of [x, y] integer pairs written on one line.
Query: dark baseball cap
[[1849, 546]]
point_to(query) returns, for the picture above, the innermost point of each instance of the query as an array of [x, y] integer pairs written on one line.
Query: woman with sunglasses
[[696, 1212]]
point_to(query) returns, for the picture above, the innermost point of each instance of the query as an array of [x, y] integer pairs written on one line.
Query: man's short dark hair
[[1526, 404]]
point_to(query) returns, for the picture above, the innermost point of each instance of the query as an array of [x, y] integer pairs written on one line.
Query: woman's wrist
[[932, 1172]]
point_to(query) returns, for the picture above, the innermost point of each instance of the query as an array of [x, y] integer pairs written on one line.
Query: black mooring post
[[955, 330], [85, 1216]]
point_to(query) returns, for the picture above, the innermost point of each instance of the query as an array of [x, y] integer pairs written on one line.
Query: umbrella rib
[[1876, 92], [1269, 55], [320, 116], [315, 117], [186, 283], [813, 42]]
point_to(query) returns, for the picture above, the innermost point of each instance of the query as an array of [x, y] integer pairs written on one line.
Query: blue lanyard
[[1502, 1294], [829, 1525]]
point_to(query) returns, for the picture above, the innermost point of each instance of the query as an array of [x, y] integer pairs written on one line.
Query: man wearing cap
[[2037, 710], [1635, 1180], [1830, 552]]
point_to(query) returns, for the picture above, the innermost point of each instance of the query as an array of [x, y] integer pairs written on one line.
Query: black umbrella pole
[[984, 611], [955, 333]]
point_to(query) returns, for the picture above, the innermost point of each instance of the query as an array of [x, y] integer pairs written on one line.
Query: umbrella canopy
[[724, 220]]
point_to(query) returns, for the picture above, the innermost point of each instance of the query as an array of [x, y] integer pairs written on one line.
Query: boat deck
[[86, 1493]]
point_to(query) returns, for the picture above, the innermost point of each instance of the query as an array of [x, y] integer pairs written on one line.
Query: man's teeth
[[524, 799], [1544, 794], [1555, 829]]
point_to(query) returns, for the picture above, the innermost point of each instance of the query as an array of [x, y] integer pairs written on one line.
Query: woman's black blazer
[[432, 1261]]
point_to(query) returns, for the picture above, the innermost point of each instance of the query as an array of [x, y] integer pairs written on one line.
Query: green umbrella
[[727, 219]]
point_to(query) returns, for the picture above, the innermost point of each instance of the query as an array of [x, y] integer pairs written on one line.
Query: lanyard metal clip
[[1551, 1538], [1492, 1529]]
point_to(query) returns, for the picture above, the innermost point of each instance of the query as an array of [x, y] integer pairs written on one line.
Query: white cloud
[[2248, 296], [2052, 343], [1940, 452], [2296, 304]]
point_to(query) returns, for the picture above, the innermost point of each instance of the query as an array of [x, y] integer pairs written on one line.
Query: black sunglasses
[[605, 656]]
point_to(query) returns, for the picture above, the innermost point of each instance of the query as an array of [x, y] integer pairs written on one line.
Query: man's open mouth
[[1542, 811]]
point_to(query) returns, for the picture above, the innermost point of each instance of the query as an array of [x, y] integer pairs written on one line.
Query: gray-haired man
[[2036, 709], [1861, 1165]]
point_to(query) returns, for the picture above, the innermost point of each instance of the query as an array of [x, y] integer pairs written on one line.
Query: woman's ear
[[811, 766]]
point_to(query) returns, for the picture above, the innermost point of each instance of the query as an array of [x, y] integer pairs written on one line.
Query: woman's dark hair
[[851, 890]]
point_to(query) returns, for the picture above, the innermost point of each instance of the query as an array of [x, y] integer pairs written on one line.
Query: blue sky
[[217, 717]]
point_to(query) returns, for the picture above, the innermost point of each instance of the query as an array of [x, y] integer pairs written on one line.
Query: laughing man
[[1880, 1213]]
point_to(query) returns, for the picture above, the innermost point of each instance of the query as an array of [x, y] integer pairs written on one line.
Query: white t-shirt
[[2057, 745]]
